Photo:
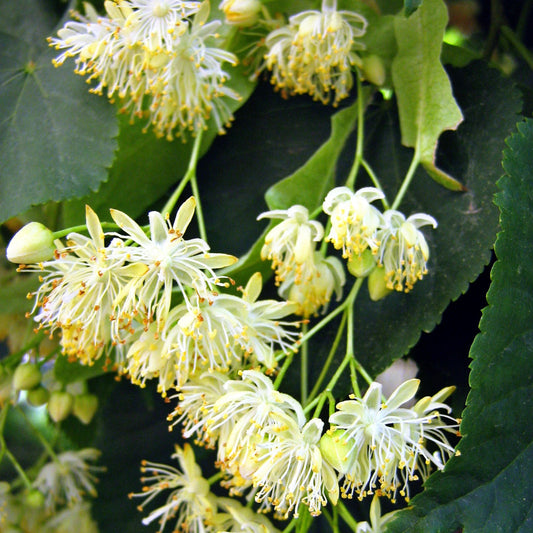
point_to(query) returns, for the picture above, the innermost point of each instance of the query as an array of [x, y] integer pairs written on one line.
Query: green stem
[[329, 360], [291, 526], [360, 135], [4, 450], [320, 405], [37, 433], [215, 477], [191, 171], [496, 20], [519, 47], [346, 516], [523, 19], [82, 227], [407, 180], [283, 370], [375, 181], [330, 316], [304, 367]]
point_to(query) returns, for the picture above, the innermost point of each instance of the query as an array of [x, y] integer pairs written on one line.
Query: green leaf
[[310, 183], [425, 101], [461, 245], [56, 139], [489, 486]]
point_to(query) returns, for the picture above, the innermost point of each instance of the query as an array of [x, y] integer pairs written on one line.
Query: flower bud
[[377, 284], [26, 376], [85, 406], [31, 244], [241, 12], [336, 450], [374, 70], [37, 397], [60, 405], [34, 499], [361, 265]]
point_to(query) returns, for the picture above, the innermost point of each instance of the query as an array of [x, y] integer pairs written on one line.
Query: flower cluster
[[190, 504], [100, 294], [155, 58], [315, 53], [119, 290], [362, 232], [267, 448], [264, 443], [215, 335], [383, 445], [303, 274]]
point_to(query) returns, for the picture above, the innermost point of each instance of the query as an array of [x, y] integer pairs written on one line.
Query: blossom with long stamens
[[382, 445], [403, 249], [244, 414], [292, 471], [190, 503], [315, 53], [290, 245], [171, 261], [79, 289], [354, 220]]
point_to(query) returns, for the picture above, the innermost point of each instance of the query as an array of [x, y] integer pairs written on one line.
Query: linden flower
[[144, 358], [314, 54], [263, 329], [190, 503], [292, 470], [202, 336], [78, 295], [197, 398], [239, 519], [354, 221], [383, 445], [244, 414], [155, 23], [68, 478], [290, 244], [170, 259], [403, 250], [325, 276], [155, 60], [191, 87]]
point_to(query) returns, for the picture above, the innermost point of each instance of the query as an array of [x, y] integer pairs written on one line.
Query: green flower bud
[[34, 498], [336, 450], [60, 405], [85, 406], [38, 396], [361, 265], [241, 12], [27, 376], [374, 70], [31, 244], [377, 284]]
